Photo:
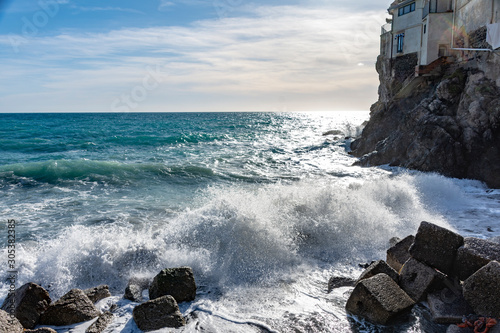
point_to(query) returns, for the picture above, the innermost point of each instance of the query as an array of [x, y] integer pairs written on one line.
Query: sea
[[264, 207]]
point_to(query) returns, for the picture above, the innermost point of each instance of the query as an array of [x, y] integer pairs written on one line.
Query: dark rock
[[135, 286], [399, 253], [378, 299], [338, 282], [418, 279], [29, 301], [448, 306], [158, 313], [74, 307], [377, 268], [97, 293], [436, 246], [9, 324], [447, 123], [474, 254], [482, 290], [41, 330], [101, 323], [177, 282]]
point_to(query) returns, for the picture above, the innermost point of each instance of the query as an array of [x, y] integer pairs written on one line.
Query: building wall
[[411, 25], [438, 33], [474, 14], [408, 20]]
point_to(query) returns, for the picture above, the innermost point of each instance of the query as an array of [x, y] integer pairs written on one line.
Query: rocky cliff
[[447, 122]]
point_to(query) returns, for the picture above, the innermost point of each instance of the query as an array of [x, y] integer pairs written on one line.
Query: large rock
[[29, 302], [177, 282], [74, 307], [101, 323], [9, 324], [135, 286], [448, 306], [453, 130], [378, 299], [482, 290], [418, 279], [474, 254], [399, 253], [379, 267], [436, 246], [158, 313], [339, 282], [97, 293]]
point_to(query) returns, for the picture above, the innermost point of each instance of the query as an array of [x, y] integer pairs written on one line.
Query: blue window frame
[[407, 9], [400, 42]]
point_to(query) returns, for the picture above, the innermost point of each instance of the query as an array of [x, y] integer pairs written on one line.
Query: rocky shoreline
[[30, 305], [458, 277]]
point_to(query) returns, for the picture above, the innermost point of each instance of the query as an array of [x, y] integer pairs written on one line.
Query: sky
[[189, 55]]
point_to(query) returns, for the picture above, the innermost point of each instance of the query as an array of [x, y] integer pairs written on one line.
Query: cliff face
[[448, 123]]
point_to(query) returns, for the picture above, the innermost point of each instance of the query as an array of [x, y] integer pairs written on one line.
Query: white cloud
[[271, 57]]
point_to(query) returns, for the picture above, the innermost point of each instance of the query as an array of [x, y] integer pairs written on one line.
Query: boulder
[[101, 323], [177, 282], [135, 286], [436, 246], [482, 290], [379, 267], [418, 279], [399, 253], [74, 307], [378, 299], [29, 301], [158, 313], [97, 293], [448, 306], [338, 282], [474, 254], [9, 324]]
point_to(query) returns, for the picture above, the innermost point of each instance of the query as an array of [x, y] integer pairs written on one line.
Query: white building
[[426, 28]]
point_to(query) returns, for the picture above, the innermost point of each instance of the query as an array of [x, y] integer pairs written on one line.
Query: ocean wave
[[60, 171], [241, 236]]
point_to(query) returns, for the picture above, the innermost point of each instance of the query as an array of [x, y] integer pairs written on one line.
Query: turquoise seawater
[[263, 207]]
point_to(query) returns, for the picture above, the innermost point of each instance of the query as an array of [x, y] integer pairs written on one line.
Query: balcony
[[386, 28]]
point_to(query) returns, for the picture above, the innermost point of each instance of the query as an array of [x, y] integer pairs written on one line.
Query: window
[[400, 42], [425, 28], [407, 9]]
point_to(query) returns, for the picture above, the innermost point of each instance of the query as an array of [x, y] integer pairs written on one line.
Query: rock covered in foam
[[101, 323]]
